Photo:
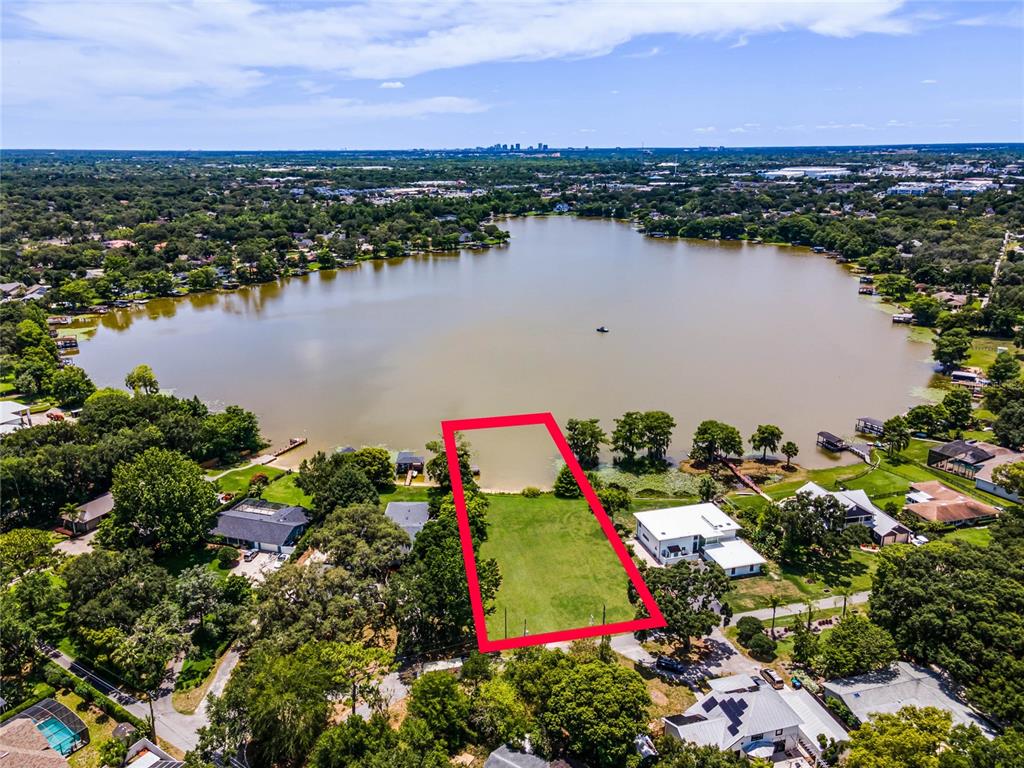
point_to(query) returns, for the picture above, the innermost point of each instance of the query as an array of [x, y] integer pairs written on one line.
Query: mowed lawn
[[558, 569]]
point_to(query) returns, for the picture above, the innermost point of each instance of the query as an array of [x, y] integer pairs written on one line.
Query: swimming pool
[[59, 736]]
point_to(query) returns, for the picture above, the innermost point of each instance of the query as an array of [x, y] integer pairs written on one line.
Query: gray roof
[[971, 453], [409, 457], [258, 520], [98, 507], [723, 719], [506, 757], [902, 685], [410, 516]]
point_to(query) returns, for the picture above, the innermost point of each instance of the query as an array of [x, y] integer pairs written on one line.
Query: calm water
[[381, 353]]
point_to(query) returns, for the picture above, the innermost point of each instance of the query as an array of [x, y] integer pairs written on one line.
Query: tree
[[197, 592], [497, 714], [585, 438], [438, 472], [895, 435], [440, 703], [347, 487], [597, 709], [688, 594], [789, 450], [112, 752], [629, 435], [714, 438], [951, 347], [376, 464], [926, 419], [674, 753], [855, 646], [707, 488], [142, 379], [1004, 368], [775, 602], [958, 406], [1009, 426], [565, 486], [766, 437], [657, 427], [926, 310], [805, 645], [895, 286], [71, 386], [231, 432], [23, 550], [362, 540], [162, 498], [1009, 476], [910, 738]]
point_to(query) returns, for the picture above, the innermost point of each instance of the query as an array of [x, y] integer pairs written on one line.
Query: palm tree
[[72, 513], [845, 593], [774, 601], [809, 604]]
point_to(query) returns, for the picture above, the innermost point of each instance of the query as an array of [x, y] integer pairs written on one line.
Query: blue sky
[[240, 74]]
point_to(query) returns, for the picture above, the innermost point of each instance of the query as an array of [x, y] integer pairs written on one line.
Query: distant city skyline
[[245, 75]]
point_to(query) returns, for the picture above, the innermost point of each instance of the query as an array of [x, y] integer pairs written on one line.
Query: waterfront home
[[869, 426], [935, 503], [905, 318], [831, 442], [410, 516], [971, 379], [902, 685], [87, 517], [884, 528], [407, 461], [696, 531], [741, 714], [975, 461], [262, 525]]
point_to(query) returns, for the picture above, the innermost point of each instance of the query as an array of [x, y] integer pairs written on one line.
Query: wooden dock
[[293, 443], [746, 480]]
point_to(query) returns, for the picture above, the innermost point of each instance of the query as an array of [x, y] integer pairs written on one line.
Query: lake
[[380, 353]]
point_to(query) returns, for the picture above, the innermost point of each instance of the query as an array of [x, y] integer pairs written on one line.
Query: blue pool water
[[60, 737]]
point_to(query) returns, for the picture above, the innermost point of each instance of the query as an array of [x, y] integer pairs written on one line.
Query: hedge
[[39, 692], [105, 703]]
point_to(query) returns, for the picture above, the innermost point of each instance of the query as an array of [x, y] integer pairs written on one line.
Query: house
[[933, 502], [748, 717], [902, 685], [971, 379], [88, 515], [975, 461], [13, 416], [508, 757], [906, 318], [410, 516], [869, 426], [22, 745], [58, 733], [693, 532], [831, 442], [885, 529], [145, 754], [263, 525], [11, 291], [408, 462]]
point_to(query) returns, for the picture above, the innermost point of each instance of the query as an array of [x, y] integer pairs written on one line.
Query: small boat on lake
[[602, 329]]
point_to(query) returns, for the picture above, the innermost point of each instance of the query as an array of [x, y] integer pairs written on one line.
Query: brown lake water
[[380, 353]]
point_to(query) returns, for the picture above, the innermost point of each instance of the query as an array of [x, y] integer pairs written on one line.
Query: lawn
[[237, 481], [983, 351], [285, 491], [179, 561], [558, 569], [980, 537]]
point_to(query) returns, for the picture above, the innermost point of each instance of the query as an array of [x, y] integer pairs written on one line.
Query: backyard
[[558, 569]]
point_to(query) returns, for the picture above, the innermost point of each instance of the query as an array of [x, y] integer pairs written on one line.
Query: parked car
[[796, 683], [773, 678], [251, 555], [670, 665], [282, 556]]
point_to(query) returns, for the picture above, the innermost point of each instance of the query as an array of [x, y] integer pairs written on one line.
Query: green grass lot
[[180, 561], [284, 491], [558, 569], [980, 537], [100, 725], [237, 480], [983, 351]]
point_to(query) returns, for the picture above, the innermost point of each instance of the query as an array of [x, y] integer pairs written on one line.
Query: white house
[[745, 715], [696, 531]]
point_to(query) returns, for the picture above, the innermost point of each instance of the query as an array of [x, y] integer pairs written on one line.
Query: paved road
[[793, 609]]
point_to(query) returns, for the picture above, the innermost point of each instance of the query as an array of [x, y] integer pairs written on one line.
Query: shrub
[[566, 486], [761, 647], [84, 691], [112, 752], [226, 556], [530, 492], [56, 677], [747, 628]]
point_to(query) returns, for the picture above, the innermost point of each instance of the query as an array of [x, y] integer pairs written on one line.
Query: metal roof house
[[830, 442], [885, 529], [264, 525], [902, 685], [696, 531], [754, 719], [88, 515], [975, 461], [410, 516]]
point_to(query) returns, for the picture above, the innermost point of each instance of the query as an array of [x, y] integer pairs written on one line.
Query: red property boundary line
[[654, 619]]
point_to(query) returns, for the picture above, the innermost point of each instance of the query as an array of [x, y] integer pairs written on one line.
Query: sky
[[393, 74]]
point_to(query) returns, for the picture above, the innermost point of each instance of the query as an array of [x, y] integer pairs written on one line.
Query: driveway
[[80, 545]]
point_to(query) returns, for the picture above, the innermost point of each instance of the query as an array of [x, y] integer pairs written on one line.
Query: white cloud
[[97, 50], [705, 129], [929, 82], [644, 54], [392, 84]]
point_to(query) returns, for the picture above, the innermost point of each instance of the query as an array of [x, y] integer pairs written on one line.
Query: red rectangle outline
[[654, 617]]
